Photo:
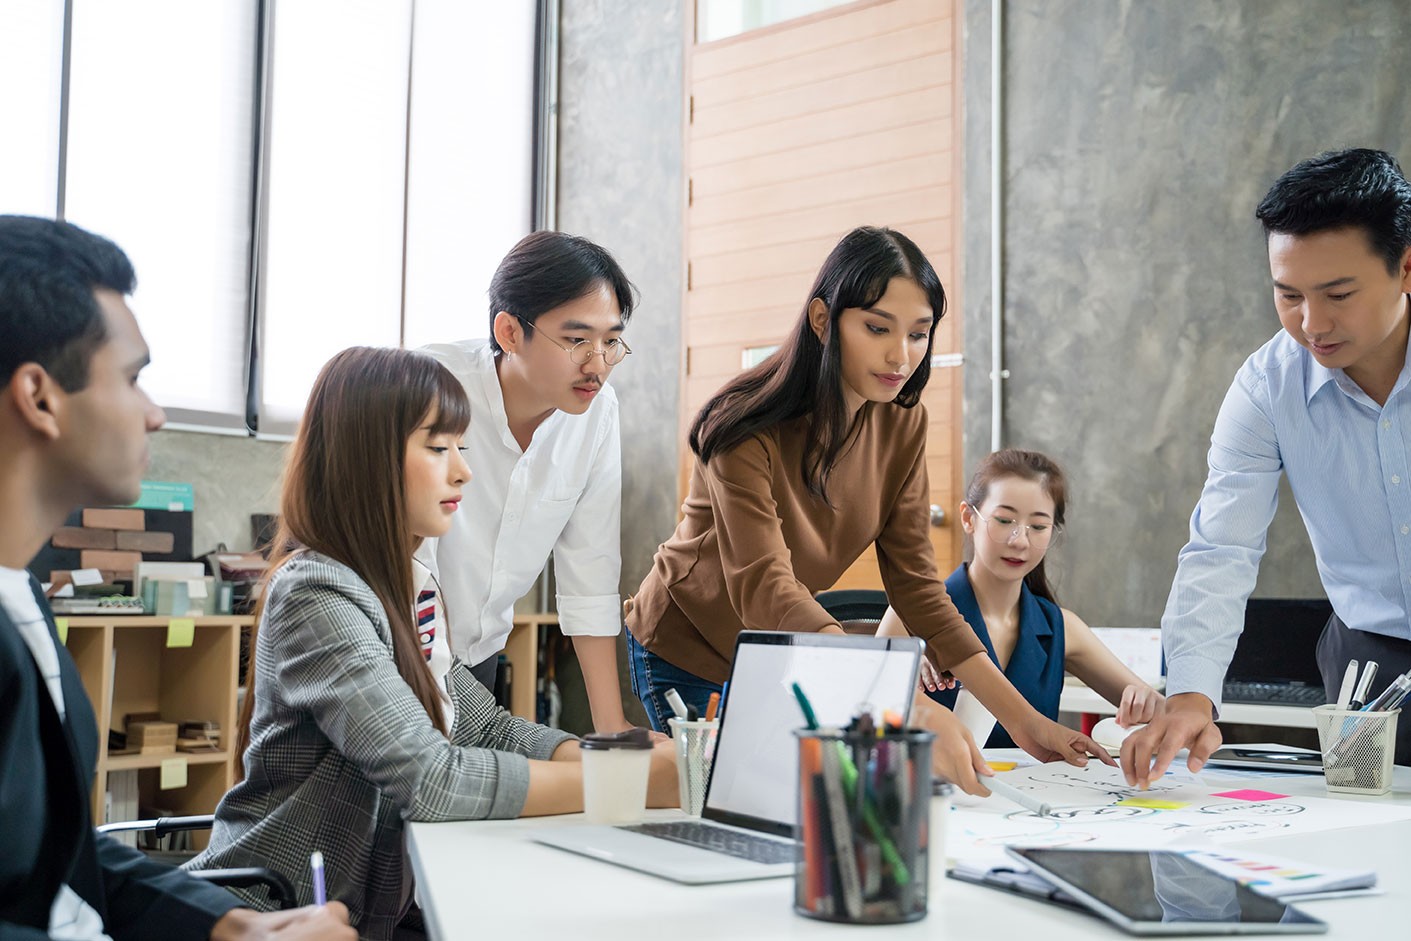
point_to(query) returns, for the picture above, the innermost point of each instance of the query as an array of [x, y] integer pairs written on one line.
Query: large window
[[31, 58], [290, 177]]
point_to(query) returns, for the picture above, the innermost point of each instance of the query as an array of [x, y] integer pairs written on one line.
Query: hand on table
[[1047, 741], [1188, 721], [954, 755], [311, 923], [662, 790]]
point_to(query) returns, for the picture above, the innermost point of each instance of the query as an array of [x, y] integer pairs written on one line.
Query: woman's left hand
[[1046, 740]]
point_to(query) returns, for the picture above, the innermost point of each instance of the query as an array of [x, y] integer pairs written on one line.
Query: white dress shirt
[[1346, 458], [561, 495]]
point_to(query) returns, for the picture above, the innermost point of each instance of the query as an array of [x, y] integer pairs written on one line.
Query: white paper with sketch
[[1094, 807]]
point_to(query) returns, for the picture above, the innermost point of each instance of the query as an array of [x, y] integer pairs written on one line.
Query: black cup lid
[[629, 739]]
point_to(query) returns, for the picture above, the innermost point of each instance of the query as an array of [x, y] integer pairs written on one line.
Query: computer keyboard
[[731, 842], [1277, 694]]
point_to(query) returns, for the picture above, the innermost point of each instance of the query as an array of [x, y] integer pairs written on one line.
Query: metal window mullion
[[259, 212]]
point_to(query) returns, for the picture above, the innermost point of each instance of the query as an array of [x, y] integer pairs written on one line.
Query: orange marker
[[711, 706]]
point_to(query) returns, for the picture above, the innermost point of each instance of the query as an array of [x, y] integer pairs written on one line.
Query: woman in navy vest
[[1012, 514]]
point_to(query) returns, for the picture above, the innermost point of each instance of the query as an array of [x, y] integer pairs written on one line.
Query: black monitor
[[1280, 641]]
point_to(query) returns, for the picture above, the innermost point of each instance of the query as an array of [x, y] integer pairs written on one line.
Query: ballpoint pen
[[316, 870], [1364, 685]]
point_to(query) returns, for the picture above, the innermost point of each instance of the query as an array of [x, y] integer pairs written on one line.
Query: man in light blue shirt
[[1327, 402]]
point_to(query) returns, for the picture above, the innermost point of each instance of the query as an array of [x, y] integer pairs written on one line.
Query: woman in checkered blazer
[[358, 718]]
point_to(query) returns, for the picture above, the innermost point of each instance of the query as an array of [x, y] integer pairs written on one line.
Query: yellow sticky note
[[1002, 765], [1152, 803], [181, 632], [62, 624], [173, 773]]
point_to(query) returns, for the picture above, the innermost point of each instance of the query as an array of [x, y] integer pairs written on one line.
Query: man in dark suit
[[73, 430]]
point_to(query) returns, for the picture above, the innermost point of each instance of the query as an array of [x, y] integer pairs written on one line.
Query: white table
[[487, 880]]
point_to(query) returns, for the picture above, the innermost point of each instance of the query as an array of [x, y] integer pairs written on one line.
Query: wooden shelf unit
[[522, 651], [126, 667]]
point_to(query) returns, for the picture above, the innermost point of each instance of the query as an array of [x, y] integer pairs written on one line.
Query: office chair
[[857, 610], [280, 890]]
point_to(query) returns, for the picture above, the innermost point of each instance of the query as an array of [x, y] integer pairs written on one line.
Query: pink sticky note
[[1250, 794]]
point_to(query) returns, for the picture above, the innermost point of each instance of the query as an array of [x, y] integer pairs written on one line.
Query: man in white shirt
[[73, 430], [544, 448]]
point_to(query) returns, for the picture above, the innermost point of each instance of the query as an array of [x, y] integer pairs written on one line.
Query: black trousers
[[1340, 643]]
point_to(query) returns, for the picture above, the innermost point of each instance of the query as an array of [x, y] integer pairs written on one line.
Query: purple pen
[[316, 869]]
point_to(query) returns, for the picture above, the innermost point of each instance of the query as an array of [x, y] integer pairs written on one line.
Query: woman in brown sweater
[[802, 463]]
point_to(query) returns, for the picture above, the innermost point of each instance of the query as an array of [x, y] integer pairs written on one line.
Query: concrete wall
[[621, 184], [1139, 137], [233, 477]]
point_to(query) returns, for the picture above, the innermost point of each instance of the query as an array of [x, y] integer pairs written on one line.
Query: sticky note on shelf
[[62, 625], [1151, 803], [173, 773], [181, 632]]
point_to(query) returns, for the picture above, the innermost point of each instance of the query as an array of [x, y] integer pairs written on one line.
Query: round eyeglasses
[[1002, 529], [612, 352]]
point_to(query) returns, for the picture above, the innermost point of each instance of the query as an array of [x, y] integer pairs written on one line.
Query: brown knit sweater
[[754, 546]]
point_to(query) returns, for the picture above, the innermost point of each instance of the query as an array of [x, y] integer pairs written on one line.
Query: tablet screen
[[1163, 892]]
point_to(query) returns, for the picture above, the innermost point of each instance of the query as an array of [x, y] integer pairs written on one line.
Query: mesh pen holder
[[1358, 748], [695, 751]]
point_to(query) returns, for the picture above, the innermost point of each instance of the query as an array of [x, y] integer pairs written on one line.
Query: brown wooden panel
[[825, 31], [806, 255], [829, 218], [800, 133], [873, 84], [773, 74], [882, 178], [925, 137], [749, 328], [824, 126]]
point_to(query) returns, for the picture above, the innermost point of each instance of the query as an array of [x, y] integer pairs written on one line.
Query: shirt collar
[[1317, 375], [495, 398]]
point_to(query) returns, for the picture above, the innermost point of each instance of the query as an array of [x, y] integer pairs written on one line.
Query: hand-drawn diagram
[[1094, 807]]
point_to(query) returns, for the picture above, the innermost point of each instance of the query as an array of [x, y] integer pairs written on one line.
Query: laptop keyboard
[[1281, 694], [731, 842]]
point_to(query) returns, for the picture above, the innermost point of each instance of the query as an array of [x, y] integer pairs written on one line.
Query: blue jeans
[[652, 676]]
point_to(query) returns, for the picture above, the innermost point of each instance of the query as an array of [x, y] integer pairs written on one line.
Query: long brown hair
[[343, 493], [1026, 465], [805, 376]]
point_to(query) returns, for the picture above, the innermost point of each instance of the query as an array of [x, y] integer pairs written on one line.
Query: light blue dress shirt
[[1346, 460]]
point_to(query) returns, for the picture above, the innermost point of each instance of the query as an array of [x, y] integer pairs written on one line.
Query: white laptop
[[745, 830]]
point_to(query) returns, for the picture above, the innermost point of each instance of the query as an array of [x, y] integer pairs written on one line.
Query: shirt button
[[1405, 530], [1396, 479], [1386, 422]]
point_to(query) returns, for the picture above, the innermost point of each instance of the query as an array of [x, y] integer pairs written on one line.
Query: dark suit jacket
[[46, 836]]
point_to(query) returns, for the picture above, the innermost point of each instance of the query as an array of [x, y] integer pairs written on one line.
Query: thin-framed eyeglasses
[[1002, 530], [613, 352]]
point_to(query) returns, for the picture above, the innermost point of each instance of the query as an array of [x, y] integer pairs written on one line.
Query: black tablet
[[1162, 892]]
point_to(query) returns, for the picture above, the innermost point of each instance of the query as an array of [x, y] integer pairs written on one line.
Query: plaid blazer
[[341, 751]]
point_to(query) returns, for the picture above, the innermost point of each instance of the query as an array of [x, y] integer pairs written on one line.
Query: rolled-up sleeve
[[588, 554], [1217, 568]]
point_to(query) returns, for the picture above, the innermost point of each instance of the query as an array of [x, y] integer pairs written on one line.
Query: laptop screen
[[1280, 641], [754, 776]]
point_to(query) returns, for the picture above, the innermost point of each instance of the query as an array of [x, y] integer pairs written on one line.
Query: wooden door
[[797, 133]]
